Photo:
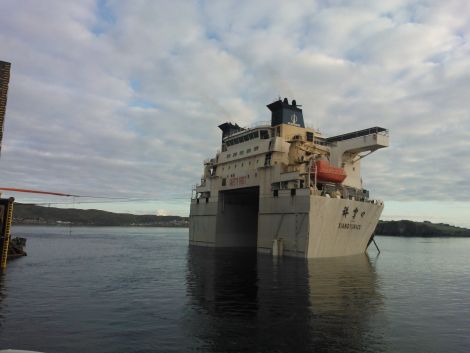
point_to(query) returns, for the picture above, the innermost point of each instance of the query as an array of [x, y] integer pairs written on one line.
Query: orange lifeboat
[[326, 172]]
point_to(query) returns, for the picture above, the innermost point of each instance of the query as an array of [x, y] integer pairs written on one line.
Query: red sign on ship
[[237, 181]]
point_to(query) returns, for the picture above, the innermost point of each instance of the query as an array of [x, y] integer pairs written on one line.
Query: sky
[[123, 98]]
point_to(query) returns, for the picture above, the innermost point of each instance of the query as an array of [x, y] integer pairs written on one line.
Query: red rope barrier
[[37, 192]]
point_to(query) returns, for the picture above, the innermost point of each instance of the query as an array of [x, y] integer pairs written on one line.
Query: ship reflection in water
[[244, 301]]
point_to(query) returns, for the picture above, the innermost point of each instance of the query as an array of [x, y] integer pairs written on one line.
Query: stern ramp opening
[[237, 218]]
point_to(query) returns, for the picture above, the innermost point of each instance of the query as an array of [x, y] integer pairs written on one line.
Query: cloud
[[124, 98]]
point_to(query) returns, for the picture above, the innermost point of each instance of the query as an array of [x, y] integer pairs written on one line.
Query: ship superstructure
[[286, 189]]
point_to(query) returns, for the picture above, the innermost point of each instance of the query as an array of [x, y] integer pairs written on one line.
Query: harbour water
[[145, 290]]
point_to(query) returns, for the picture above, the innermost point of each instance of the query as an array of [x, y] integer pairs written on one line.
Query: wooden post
[[6, 218]]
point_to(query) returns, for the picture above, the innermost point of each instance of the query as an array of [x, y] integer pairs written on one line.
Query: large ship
[[286, 189]]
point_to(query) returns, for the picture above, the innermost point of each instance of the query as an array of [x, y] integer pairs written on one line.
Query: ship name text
[[352, 226]]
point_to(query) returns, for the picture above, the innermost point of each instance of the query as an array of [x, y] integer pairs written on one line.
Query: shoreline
[[94, 225], [181, 227]]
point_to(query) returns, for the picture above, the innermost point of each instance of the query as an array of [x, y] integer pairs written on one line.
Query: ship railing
[[295, 137], [311, 126], [321, 142], [373, 130], [376, 202], [252, 126], [260, 124], [194, 191], [242, 130], [299, 137]]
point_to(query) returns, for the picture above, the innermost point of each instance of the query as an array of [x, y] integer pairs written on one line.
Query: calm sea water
[[145, 290]]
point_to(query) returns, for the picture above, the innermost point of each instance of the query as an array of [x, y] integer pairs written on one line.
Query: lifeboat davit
[[326, 172]]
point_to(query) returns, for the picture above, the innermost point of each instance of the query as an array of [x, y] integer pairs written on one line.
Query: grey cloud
[[77, 122]]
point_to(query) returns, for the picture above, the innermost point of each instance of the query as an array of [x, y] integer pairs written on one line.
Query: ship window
[[207, 200], [235, 154], [228, 167], [264, 134], [235, 166], [278, 131], [224, 181], [242, 152], [248, 150], [228, 156], [246, 137], [256, 148], [249, 163], [256, 134], [242, 164], [275, 193], [309, 136], [252, 136], [267, 159]]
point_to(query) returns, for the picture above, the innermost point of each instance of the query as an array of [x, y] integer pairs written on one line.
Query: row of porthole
[[242, 164], [242, 152], [247, 176], [233, 175]]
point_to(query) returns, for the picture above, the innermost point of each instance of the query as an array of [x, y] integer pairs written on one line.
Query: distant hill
[[406, 228], [27, 214]]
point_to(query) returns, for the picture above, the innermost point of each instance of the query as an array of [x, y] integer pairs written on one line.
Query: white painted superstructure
[[286, 189]]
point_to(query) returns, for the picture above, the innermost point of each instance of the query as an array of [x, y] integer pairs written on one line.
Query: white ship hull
[[303, 225]]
